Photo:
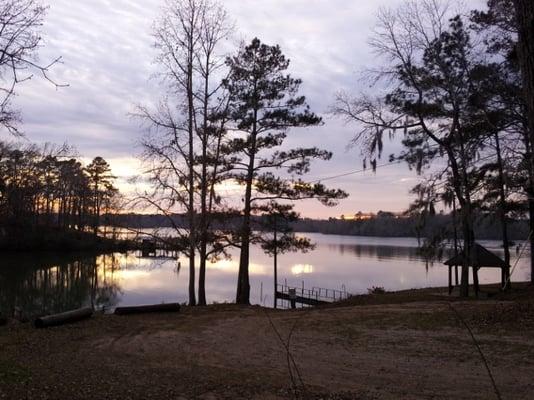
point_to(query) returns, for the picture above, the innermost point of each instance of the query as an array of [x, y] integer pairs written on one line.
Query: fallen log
[[63, 318], [156, 308]]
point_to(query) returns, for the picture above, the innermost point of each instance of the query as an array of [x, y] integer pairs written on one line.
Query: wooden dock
[[152, 248], [300, 300], [309, 297], [149, 245]]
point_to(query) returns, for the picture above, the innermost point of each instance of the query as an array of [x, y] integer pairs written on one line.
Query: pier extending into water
[[316, 296], [152, 248]]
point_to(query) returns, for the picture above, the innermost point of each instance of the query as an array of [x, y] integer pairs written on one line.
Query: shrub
[[376, 290]]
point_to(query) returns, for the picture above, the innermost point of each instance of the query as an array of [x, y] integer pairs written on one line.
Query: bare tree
[[182, 150], [20, 39], [172, 149], [214, 27]]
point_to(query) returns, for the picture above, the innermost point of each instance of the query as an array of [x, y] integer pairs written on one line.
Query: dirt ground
[[396, 349]]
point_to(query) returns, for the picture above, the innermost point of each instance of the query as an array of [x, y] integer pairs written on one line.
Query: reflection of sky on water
[[354, 263]]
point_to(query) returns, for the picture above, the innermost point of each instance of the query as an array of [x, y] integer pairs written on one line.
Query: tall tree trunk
[[275, 264], [461, 190], [204, 194], [455, 238], [531, 227], [192, 227], [202, 266], [502, 213], [464, 277], [469, 238], [243, 283], [525, 22]]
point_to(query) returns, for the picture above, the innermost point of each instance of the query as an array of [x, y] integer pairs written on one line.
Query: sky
[[107, 60]]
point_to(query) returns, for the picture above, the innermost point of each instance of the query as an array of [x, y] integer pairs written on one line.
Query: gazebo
[[479, 257]]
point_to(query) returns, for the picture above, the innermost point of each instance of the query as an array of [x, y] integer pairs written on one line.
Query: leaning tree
[[432, 75]]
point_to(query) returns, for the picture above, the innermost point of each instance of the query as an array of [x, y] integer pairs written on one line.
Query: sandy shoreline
[[403, 345]]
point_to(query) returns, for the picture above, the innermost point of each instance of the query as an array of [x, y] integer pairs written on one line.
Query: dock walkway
[[311, 297]]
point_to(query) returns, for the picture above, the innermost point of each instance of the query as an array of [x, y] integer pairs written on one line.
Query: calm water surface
[[48, 283]]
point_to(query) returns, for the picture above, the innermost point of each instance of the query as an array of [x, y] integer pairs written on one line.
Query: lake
[[46, 283]]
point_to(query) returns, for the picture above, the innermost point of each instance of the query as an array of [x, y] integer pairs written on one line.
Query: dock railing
[[311, 297], [330, 294]]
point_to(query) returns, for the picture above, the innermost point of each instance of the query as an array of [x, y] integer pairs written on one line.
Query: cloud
[[108, 56]]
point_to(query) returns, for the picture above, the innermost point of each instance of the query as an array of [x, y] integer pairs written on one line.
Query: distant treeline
[[486, 226], [49, 199]]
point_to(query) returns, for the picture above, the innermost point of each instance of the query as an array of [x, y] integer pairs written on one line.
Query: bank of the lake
[[407, 344], [43, 283], [46, 239]]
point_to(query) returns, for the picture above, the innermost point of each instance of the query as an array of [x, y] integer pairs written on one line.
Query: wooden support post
[[475, 280], [456, 280], [293, 298], [450, 280]]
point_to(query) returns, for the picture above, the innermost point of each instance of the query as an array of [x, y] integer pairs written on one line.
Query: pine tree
[[263, 105], [101, 183]]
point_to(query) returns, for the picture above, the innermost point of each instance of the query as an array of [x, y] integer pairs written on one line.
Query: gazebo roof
[[479, 257]]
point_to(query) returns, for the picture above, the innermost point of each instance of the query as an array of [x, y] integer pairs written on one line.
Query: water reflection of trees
[[378, 252], [38, 284]]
